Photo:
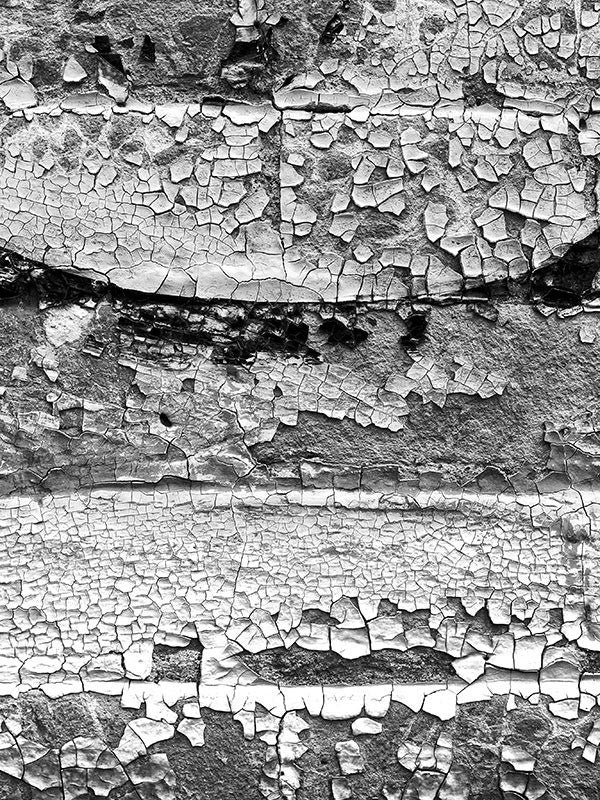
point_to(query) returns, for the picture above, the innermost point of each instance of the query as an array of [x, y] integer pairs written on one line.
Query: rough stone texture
[[299, 418]]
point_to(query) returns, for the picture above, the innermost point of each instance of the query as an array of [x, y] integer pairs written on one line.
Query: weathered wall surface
[[299, 453]]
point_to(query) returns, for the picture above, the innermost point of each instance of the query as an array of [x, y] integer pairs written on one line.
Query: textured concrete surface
[[299, 455]]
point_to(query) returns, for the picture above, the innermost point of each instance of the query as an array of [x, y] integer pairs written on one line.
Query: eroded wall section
[[299, 419]]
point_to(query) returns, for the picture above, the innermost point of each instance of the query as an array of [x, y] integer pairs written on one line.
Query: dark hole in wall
[[114, 59], [340, 333], [332, 30], [265, 332], [148, 50], [259, 50], [475, 89], [103, 46], [290, 334], [19, 276], [14, 280], [569, 280], [66, 287], [416, 326]]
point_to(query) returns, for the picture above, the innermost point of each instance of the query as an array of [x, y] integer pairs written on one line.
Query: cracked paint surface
[[299, 400]]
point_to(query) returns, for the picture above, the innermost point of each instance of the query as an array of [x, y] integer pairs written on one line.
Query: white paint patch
[[66, 324]]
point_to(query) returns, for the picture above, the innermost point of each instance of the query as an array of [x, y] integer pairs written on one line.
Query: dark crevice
[[478, 92], [416, 326], [260, 50], [20, 276], [103, 46], [335, 25], [266, 331], [238, 330], [148, 50], [55, 285], [332, 30], [340, 333], [571, 279], [249, 56]]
